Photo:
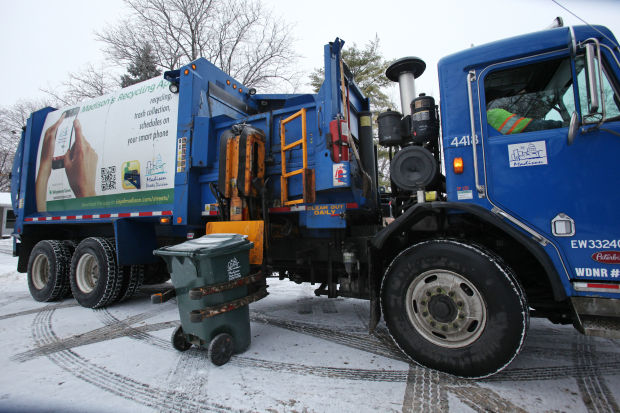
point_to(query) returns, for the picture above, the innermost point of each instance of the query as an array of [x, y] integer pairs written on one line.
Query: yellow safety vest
[[505, 122]]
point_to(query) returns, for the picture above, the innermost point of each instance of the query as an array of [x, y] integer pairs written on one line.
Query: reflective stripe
[[519, 125], [99, 216], [514, 125], [510, 124], [505, 122]]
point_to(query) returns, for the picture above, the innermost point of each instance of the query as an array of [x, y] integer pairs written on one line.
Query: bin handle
[[199, 292], [221, 251], [197, 316], [162, 252]]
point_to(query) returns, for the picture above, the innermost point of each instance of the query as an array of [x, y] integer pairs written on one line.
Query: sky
[[42, 41]]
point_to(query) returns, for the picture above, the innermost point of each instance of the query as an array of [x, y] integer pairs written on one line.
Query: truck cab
[[530, 131], [553, 178]]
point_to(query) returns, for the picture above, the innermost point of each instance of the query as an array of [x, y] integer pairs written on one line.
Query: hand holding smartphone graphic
[[64, 137], [79, 159], [81, 165]]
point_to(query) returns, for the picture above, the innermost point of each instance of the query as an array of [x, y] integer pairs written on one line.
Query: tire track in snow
[[482, 399], [190, 374], [594, 391], [364, 341], [566, 353], [424, 393], [136, 333], [90, 337], [427, 391], [382, 344], [379, 344], [115, 383], [554, 373], [36, 310]]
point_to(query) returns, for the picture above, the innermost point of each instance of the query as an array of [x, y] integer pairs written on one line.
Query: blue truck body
[[575, 179], [471, 237]]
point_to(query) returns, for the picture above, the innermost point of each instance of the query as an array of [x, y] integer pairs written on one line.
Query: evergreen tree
[[368, 68], [143, 67]]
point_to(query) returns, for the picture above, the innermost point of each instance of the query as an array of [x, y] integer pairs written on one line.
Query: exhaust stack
[[404, 71]]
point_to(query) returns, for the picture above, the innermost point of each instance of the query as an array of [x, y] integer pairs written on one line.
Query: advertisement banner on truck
[[117, 150]]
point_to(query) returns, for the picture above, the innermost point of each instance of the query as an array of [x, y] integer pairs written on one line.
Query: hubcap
[[40, 271], [446, 308], [87, 273], [442, 308]]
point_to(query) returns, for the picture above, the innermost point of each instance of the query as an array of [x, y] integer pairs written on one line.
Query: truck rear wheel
[[48, 270], [132, 278], [455, 307], [95, 281]]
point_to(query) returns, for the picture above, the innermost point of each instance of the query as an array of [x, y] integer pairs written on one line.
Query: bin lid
[[211, 245]]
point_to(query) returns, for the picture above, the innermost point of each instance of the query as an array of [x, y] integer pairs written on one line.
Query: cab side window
[[530, 98], [611, 95]]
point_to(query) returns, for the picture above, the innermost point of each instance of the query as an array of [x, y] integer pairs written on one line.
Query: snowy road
[[308, 354]]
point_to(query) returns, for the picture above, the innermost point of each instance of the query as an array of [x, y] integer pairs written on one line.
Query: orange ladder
[[308, 193]]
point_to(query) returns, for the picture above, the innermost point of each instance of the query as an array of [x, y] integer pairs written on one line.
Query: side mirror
[[573, 127], [592, 84]]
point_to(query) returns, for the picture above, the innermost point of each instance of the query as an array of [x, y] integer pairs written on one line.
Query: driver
[[508, 123]]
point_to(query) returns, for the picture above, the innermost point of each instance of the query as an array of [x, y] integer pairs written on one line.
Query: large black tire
[[455, 307], [132, 277], [70, 246], [95, 281], [48, 270]]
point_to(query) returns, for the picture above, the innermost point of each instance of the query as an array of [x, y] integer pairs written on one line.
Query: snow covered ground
[[308, 354]]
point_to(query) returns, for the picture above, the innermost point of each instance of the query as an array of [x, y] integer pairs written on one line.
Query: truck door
[[566, 191]]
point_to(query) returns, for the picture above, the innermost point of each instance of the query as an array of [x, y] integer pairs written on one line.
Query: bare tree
[[12, 120], [87, 83], [241, 37]]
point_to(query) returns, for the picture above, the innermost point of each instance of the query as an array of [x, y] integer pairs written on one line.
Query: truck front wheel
[[95, 281], [48, 270], [455, 307]]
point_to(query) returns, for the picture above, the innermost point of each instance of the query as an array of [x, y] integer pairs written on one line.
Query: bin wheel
[[179, 341], [221, 348]]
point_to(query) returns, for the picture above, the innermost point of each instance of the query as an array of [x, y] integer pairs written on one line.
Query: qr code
[[108, 178]]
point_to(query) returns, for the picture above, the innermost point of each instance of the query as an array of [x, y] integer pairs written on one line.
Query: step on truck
[[510, 212]]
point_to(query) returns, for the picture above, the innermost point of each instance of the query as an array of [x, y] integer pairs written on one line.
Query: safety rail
[[308, 194]]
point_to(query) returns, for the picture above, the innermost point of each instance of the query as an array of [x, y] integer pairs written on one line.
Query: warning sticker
[[340, 175], [527, 154], [465, 194]]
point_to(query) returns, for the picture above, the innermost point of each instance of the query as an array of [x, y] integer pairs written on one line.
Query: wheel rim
[[87, 273], [446, 308], [221, 349], [40, 272]]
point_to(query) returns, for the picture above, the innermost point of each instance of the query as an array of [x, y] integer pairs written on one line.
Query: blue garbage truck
[[502, 202]]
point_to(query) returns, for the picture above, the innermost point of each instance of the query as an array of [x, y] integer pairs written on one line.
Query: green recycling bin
[[210, 275]]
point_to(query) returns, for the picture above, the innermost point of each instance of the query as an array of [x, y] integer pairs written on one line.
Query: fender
[[419, 211]]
